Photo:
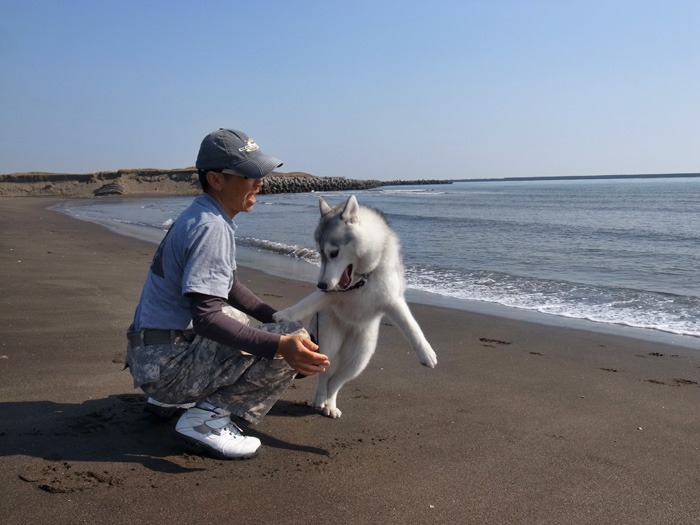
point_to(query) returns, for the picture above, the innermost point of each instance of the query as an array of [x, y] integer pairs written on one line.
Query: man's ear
[[215, 180]]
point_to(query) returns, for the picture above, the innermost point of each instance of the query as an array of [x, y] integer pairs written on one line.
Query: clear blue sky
[[361, 89]]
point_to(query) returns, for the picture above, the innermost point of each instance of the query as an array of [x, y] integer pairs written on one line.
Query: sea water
[[613, 252]]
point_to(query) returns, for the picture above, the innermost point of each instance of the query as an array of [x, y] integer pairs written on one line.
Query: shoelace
[[222, 423], [233, 429]]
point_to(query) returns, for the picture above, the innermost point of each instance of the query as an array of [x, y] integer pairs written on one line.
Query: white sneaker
[[166, 410], [214, 432]]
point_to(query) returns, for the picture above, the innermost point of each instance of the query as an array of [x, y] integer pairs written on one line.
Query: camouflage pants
[[188, 371]]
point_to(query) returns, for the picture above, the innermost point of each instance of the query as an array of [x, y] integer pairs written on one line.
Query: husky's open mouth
[[346, 278]]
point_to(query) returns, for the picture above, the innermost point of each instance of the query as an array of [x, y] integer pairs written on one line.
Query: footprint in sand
[[677, 381], [491, 343], [682, 382]]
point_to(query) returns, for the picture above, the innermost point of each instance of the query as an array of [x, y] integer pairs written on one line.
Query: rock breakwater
[[183, 181]]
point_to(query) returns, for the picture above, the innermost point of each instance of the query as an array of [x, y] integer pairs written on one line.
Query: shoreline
[[282, 266], [518, 423], [254, 259]]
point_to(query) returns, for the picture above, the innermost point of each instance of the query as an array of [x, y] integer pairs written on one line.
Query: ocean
[[614, 253]]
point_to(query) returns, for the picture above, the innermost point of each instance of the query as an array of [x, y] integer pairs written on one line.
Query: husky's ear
[[323, 206], [350, 211]]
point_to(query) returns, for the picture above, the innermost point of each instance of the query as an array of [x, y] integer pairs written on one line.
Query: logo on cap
[[250, 146]]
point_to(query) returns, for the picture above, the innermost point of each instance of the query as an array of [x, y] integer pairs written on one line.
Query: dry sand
[[519, 423]]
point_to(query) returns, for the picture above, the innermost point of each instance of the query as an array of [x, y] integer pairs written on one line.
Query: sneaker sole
[[200, 448]]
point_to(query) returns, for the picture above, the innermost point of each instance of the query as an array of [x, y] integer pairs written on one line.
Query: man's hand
[[301, 354]]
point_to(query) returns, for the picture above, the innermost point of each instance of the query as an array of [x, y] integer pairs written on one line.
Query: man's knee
[[285, 328]]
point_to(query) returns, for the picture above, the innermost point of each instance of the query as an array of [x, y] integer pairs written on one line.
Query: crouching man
[[191, 342]]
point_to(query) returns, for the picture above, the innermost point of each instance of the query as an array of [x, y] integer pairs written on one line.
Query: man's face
[[235, 193]]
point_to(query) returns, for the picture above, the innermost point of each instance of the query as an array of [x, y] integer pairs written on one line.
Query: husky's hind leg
[[355, 353], [401, 315]]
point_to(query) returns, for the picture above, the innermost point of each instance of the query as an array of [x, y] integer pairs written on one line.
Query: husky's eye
[[333, 254]]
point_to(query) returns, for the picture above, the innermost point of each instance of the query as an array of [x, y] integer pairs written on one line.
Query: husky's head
[[341, 242]]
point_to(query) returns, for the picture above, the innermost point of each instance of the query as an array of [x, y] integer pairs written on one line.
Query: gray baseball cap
[[234, 150]]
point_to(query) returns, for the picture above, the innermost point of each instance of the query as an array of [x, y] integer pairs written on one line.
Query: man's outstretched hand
[[302, 354]]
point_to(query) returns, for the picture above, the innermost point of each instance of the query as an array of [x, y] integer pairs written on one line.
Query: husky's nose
[[322, 286]]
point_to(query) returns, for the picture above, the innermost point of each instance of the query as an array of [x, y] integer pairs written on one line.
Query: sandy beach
[[519, 423]]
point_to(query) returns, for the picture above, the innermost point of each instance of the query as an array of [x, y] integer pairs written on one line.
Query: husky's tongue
[[345, 278]]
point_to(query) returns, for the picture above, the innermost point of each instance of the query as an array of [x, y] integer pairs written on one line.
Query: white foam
[[646, 310]]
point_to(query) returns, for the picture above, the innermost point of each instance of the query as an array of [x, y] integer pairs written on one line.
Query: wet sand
[[519, 423]]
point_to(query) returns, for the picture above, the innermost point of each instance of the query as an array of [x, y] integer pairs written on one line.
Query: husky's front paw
[[332, 412], [282, 315], [427, 356]]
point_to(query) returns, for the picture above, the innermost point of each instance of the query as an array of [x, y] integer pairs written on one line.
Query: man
[[191, 341]]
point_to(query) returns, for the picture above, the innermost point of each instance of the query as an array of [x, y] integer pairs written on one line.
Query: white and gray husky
[[361, 279]]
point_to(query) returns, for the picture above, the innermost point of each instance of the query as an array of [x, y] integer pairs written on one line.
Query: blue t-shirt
[[197, 255]]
